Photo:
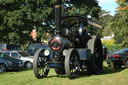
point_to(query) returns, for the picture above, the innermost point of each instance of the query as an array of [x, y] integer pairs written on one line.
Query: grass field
[[108, 77]]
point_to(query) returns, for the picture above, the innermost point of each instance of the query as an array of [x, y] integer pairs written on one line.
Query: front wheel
[[3, 68], [28, 65], [126, 63], [72, 65], [40, 66]]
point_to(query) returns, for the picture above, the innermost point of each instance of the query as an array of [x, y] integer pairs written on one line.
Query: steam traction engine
[[71, 49]]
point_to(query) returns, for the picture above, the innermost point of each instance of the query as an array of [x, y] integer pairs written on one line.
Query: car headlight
[[46, 52], [65, 52]]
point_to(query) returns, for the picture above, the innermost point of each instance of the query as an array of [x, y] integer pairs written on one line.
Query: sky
[[108, 5]]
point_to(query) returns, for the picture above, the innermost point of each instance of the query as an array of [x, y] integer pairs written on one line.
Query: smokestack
[[58, 18]]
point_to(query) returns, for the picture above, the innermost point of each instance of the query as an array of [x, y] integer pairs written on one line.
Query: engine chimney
[[58, 18]]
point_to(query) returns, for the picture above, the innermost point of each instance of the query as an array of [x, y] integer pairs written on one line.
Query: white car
[[22, 55]]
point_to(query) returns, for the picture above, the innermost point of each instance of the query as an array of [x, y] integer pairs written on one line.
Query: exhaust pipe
[[58, 18]]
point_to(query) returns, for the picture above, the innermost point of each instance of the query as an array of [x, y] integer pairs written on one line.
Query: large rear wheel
[[40, 66], [95, 65], [72, 65]]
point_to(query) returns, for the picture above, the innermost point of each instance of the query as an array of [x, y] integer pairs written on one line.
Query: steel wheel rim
[[74, 65], [29, 65], [42, 66]]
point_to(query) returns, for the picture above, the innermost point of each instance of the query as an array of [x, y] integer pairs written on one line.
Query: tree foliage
[[123, 4], [84, 8], [120, 26], [19, 17], [105, 19]]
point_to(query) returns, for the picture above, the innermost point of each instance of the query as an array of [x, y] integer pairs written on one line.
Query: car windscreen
[[24, 54], [8, 53], [33, 48], [13, 47]]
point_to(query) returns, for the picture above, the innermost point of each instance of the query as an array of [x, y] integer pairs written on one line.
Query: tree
[[119, 24], [123, 4], [84, 8], [105, 20], [19, 17]]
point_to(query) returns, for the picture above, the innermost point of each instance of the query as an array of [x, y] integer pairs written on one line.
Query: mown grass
[[108, 77]]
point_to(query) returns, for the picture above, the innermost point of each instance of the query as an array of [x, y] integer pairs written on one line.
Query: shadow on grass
[[8, 71], [82, 74], [111, 71], [104, 72], [85, 74], [58, 76], [15, 71], [2, 72]]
